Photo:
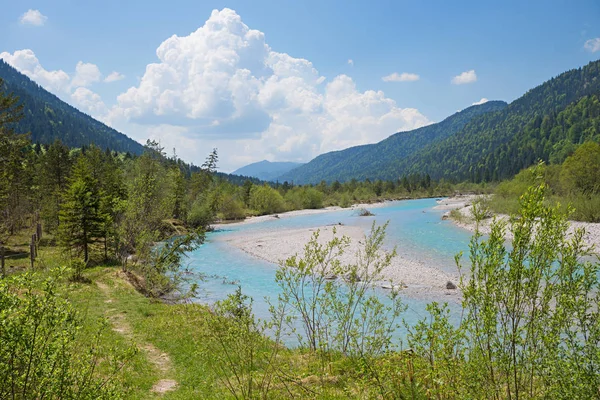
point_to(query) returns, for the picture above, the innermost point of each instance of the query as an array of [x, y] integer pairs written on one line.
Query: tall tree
[[81, 219], [55, 166], [13, 166]]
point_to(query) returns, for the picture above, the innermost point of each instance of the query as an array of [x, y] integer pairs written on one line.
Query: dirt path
[[160, 360]]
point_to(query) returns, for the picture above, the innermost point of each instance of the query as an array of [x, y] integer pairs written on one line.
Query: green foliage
[[573, 186], [53, 178], [301, 197], [14, 168], [266, 200], [581, 171], [39, 357], [244, 358], [335, 317], [161, 267], [530, 310], [81, 218]]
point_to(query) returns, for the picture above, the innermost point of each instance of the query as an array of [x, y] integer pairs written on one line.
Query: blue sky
[[273, 80]]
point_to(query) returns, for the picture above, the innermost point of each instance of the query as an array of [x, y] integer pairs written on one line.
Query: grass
[[176, 330]]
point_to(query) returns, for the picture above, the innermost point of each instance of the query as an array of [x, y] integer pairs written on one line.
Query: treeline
[[574, 185]]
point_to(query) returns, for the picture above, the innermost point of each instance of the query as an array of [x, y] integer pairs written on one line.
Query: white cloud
[[88, 101], [26, 62], [86, 74], [33, 17], [351, 62], [224, 86], [482, 101], [466, 77], [592, 45], [113, 77], [403, 77], [72, 90]]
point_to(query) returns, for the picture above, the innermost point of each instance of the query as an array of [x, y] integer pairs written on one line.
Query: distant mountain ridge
[[266, 170], [48, 118], [483, 143], [378, 160], [498, 145]]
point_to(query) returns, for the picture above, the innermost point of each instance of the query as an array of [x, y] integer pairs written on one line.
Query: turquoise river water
[[414, 227]]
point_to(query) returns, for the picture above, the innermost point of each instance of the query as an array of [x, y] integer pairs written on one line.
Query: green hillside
[[48, 118], [382, 160], [548, 123]]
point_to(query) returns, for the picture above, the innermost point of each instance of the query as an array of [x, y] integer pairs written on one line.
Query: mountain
[[484, 143], [266, 170], [547, 123], [380, 160], [48, 118]]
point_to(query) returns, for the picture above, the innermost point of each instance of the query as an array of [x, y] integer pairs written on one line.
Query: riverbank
[[415, 279], [297, 213], [464, 206]]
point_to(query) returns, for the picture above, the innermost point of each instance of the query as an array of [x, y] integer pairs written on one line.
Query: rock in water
[[450, 285]]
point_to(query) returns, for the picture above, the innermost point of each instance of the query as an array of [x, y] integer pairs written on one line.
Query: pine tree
[[81, 219], [14, 170], [53, 174]]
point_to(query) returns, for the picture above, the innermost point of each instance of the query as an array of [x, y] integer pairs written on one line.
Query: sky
[[289, 80]]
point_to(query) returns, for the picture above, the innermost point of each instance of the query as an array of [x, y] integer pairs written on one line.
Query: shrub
[[40, 356], [266, 200]]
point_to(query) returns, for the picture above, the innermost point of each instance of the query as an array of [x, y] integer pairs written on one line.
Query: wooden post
[[38, 231], [31, 253], [2, 270], [34, 244]]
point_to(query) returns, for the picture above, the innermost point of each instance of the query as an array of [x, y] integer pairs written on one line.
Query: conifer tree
[[81, 219]]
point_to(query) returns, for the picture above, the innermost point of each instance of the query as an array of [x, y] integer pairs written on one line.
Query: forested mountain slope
[[266, 170], [48, 118], [381, 160], [548, 122]]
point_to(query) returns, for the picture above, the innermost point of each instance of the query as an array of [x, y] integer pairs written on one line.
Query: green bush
[[266, 200], [200, 215], [40, 355]]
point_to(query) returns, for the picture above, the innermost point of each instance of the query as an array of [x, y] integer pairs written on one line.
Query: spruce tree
[[81, 219]]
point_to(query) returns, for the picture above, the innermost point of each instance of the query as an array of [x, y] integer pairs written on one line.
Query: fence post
[[34, 244], [32, 253], [2, 270]]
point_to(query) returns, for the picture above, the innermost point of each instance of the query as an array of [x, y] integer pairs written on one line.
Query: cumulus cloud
[[592, 45], [351, 62], [33, 17], [88, 101], [86, 74], [70, 89], [466, 77], [482, 101], [26, 62], [113, 77], [224, 84], [403, 77]]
